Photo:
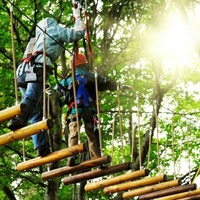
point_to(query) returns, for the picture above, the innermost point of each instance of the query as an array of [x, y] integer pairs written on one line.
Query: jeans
[[32, 97]]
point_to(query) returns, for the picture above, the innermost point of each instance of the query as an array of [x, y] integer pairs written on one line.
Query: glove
[[76, 12]]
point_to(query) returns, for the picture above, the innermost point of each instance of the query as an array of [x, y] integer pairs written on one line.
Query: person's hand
[[76, 12]]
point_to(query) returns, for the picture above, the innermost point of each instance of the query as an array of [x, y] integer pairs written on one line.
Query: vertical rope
[[113, 132], [179, 167], [165, 154], [149, 150], [188, 147], [158, 150], [173, 156], [98, 111], [120, 122], [74, 93], [44, 75], [139, 139], [14, 67], [13, 51]]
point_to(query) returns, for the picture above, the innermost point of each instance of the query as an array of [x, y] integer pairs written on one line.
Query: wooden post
[[165, 192], [25, 131], [52, 157], [117, 179], [74, 169], [181, 195], [152, 188], [134, 184], [97, 173], [12, 112]]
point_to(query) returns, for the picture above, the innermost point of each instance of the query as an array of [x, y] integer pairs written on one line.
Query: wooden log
[[180, 195], [11, 112], [170, 191], [117, 179], [134, 184], [52, 157], [152, 188], [194, 197], [25, 131], [97, 173], [74, 169]]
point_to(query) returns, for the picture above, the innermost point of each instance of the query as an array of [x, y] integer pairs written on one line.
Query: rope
[[188, 147], [173, 156], [113, 132], [15, 69], [88, 40], [74, 93], [98, 112], [120, 122], [149, 150], [44, 76], [138, 114], [13, 52], [158, 158], [197, 173]]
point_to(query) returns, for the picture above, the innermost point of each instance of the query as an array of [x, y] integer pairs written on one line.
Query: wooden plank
[[195, 197], [77, 168], [166, 192], [152, 188], [25, 131], [117, 179], [180, 195], [97, 173], [52, 157], [134, 184], [11, 112]]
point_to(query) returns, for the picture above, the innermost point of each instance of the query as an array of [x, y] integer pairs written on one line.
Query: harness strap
[[32, 56]]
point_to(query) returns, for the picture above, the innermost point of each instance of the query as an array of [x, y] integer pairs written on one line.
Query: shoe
[[72, 161], [43, 151], [15, 124]]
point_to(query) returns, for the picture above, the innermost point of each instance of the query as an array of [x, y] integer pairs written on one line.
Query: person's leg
[[93, 138], [73, 138], [40, 139], [31, 96]]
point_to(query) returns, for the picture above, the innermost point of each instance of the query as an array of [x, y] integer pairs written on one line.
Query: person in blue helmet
[[30, 72]]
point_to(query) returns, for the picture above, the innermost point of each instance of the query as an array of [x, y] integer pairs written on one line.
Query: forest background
[[151, 46]]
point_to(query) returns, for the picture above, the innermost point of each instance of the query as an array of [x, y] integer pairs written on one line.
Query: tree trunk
[[56, 140]]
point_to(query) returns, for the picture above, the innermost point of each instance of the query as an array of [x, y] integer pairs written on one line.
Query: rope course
[[132, 183]]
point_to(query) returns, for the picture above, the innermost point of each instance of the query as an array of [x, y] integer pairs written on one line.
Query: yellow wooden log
[[195, 197], [97, 173], [25, 131], [77, 168], [167, 192], [181, 195], [134, 184], [52, 157], [117, 179], [152, 188], [12, 112]]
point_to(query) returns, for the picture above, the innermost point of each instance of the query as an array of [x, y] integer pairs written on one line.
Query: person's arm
[[75, 33]]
